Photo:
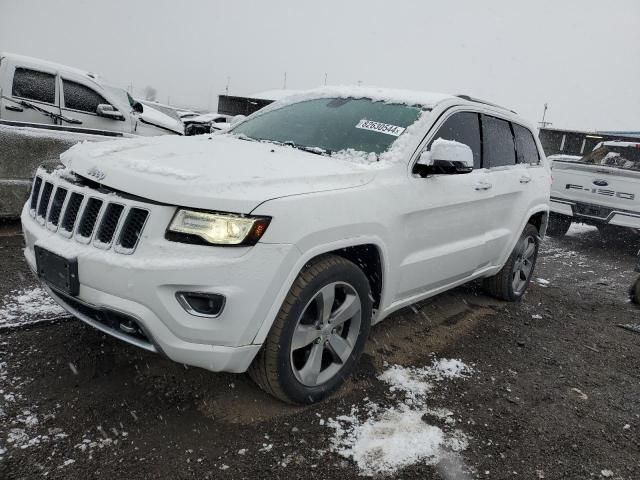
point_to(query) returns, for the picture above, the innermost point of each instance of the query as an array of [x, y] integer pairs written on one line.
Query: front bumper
[[595, 214], [141, 286]]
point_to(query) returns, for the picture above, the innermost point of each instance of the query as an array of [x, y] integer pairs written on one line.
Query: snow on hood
[[217, 172]]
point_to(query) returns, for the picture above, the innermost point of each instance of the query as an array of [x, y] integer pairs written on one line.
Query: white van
[[601, 189]]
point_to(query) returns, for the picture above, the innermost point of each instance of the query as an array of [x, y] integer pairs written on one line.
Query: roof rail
[[484, 102]]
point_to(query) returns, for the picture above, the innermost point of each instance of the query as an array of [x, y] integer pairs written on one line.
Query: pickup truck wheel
[[558, 225], [512, 281], [319, 333], [634, 292]]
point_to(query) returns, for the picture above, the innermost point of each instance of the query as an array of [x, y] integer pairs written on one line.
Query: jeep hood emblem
[[96, 173]]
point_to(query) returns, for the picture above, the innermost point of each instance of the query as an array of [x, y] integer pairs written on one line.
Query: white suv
[[274, 247]]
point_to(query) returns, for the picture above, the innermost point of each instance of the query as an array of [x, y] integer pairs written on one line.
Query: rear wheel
[[634, 293], [558, 225], [319, 333], [512, 281]]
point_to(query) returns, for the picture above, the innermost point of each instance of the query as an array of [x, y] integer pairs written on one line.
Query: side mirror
[[445, 157], [108, 111], [137, 107], [237, 119]]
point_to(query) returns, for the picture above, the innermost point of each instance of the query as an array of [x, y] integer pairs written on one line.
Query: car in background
[[46, 107], [206, 123], [601, 189]]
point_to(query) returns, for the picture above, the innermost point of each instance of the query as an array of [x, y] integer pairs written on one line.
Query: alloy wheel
[[325, 334], [523, 266]]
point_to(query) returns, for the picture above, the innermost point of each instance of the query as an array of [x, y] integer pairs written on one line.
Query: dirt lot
[[555, 391]]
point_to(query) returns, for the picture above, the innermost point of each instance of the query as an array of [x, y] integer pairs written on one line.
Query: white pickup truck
[[45, 108], [601, 189]]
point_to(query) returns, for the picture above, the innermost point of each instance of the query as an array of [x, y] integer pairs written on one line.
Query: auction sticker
[[380, 127]]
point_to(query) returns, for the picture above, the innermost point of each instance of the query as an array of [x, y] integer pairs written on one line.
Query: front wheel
[[634, 292], [319, 333], [512, 281]]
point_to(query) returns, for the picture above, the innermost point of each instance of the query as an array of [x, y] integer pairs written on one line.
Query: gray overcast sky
[[582, 57]]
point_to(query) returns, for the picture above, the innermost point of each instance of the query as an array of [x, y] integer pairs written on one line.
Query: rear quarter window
[[526, 149], [34, 85]]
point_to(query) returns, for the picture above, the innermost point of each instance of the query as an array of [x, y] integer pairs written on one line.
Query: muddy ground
[[555, 393]]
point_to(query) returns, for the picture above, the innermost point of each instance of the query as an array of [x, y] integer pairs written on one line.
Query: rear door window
[[526, 149], [34, 85], [80, 97], [497, 142], [463, 127]]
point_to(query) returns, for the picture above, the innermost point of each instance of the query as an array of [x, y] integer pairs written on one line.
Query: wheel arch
[[367, 253]]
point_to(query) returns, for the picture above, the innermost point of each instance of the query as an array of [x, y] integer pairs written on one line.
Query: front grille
[[89, 217], [109, 222], [44, 200], [56, 206], [35, 193], [95, 216], [71, 213], [133, 228]]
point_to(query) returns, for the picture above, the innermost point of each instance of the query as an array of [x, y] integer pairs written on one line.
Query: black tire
[[634, 292], [273, 368], [501, 285], [558, 225]]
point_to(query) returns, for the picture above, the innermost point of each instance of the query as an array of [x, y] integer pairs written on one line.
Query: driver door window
[[463, 127], [80, 102]]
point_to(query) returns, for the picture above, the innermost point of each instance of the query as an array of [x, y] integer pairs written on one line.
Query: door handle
[[483, 186], [525, 179], [14, 108]]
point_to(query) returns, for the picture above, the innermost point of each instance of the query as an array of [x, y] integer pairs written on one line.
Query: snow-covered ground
[[383, 440], [28, 305]]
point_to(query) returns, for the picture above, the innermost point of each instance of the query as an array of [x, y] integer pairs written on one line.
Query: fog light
[[201, 304]]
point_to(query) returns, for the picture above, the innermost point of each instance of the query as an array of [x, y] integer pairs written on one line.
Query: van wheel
[[512, 281], [558, 225], [319, 333]]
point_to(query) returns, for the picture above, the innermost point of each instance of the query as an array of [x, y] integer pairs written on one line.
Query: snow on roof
[[390, 95], [45, 63], [274, 95]]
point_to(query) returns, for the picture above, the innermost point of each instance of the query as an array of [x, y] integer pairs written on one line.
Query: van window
[[79, 97], [463, 127], [526, 149], [498, 146], [34, 85]]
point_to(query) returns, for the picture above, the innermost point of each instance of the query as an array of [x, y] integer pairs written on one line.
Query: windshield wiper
[[55, 116], [305, 148]]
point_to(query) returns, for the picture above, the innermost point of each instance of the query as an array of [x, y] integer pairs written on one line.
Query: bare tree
[[150, 93]]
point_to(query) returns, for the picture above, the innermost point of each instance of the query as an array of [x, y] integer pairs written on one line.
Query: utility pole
[[284, 86], [542, 123], [359, 83], [226, 89], [325, 79]]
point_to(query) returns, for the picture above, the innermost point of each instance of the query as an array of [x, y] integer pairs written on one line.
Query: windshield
[[627, 157], [332, 124], [121, 94]]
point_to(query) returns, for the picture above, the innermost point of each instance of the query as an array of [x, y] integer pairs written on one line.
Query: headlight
[[216, 228]]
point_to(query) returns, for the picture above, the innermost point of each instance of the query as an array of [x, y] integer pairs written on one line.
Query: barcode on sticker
[[380, 127]]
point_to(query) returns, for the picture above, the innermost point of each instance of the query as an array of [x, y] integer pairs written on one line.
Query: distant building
[[574, 142], [234, 105]]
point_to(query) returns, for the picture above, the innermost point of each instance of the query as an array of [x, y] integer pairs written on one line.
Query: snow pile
[[384, 440], [28, 306]]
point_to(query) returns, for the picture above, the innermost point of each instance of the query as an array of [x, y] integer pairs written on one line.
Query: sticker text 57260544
[[380, 127]]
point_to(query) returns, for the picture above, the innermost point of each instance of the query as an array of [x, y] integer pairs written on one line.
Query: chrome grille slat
[[85, 215]]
